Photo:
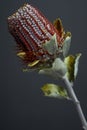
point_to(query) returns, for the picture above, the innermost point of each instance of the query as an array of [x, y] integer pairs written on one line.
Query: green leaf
[[51, 46], [55, 91], [66, 44], [58, 69], [72, 66], [76, 64]]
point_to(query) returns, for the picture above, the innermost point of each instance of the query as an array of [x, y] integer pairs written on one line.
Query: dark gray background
[[23, 107]]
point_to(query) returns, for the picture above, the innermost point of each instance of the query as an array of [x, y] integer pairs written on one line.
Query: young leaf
[[51, 45], [58, 69], [58, 25], [76, 64], [55, 91], [66, 44], [72, 66]]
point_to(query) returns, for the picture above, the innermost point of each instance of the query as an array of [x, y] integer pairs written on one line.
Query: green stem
[[76, 102]]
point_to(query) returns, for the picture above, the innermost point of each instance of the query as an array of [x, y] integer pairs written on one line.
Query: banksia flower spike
[[39, 42]]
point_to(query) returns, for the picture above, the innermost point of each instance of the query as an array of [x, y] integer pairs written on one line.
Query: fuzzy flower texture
[[39, 42]]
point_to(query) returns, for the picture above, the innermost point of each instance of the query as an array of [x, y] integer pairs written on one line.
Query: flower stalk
[[76, 102]]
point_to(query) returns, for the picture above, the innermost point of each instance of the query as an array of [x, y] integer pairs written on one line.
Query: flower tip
[[21, 54]]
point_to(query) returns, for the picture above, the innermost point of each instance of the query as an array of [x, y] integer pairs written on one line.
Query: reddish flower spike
[[31, 31]]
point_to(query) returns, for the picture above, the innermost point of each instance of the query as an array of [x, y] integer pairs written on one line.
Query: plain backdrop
[[22, 104]]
